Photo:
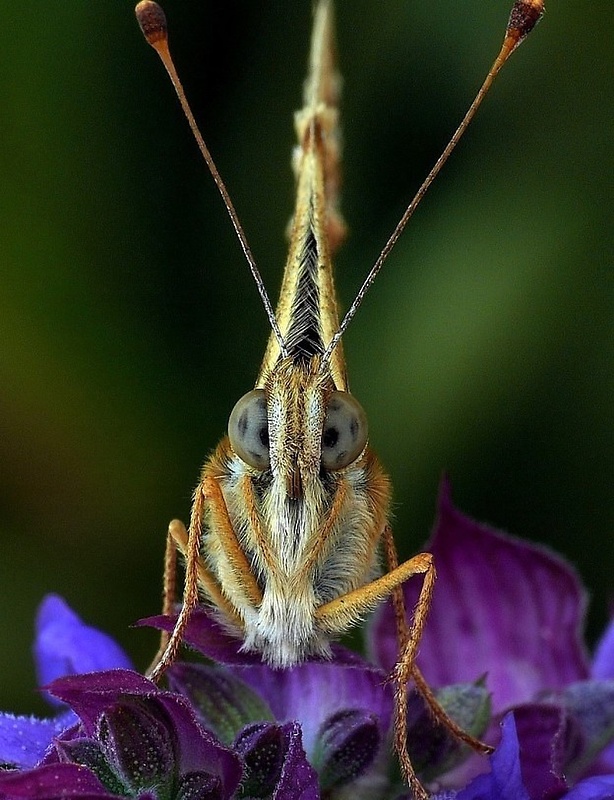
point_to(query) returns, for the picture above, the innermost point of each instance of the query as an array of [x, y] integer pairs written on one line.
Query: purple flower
[[344, 707], [133, 740], [507, 779], [511, 614], [64, 645], [501, 607], [124, 737]]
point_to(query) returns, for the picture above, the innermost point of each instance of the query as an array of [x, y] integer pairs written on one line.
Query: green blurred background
[[129, 324]]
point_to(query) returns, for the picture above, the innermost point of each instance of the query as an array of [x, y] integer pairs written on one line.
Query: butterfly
[[290, 515]]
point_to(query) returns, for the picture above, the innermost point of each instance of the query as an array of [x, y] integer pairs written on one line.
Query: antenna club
[[152, 21], [524, 17]]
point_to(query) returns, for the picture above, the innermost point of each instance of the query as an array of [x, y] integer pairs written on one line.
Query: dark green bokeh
[[129, 324]]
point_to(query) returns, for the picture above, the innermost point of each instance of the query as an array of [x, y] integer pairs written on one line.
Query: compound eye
[[344, 434], [248, 430]]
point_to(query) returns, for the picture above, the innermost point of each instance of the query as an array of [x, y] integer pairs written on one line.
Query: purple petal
[[198, 749], [311, 693], [603, 663], [65, 645], [205, 634], [299, 780], [89, 695], [138, 746], [24, 740], [275, 763], [501, 607], [51, 782], [349, 743], [263, 748], [504, 781], [196, 786], [598, 788], [548, 741], [89, 753]]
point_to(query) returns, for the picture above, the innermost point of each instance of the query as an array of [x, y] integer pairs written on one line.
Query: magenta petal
[[501, 608], [52, 781], [65, 645]]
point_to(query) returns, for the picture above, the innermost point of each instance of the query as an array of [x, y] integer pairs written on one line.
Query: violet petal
[[603, 662], [504, 781], [65, 645], [501, 607], [24, 740], [598, 788]]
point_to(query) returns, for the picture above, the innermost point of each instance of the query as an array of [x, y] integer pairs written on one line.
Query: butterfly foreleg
[[197, 574]]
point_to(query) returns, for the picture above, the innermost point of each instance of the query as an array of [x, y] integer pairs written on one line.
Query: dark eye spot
[[344, 432], [264, 436], [248, 429], [330, 437]]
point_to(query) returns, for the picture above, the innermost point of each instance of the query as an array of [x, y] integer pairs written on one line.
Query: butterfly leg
[[346, 610], [209, 495], [169, 589], [196, 574], [190, 590], [407, 668]]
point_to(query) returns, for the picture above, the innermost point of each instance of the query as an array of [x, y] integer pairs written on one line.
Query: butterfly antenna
[[523, 18], [152, 21]]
